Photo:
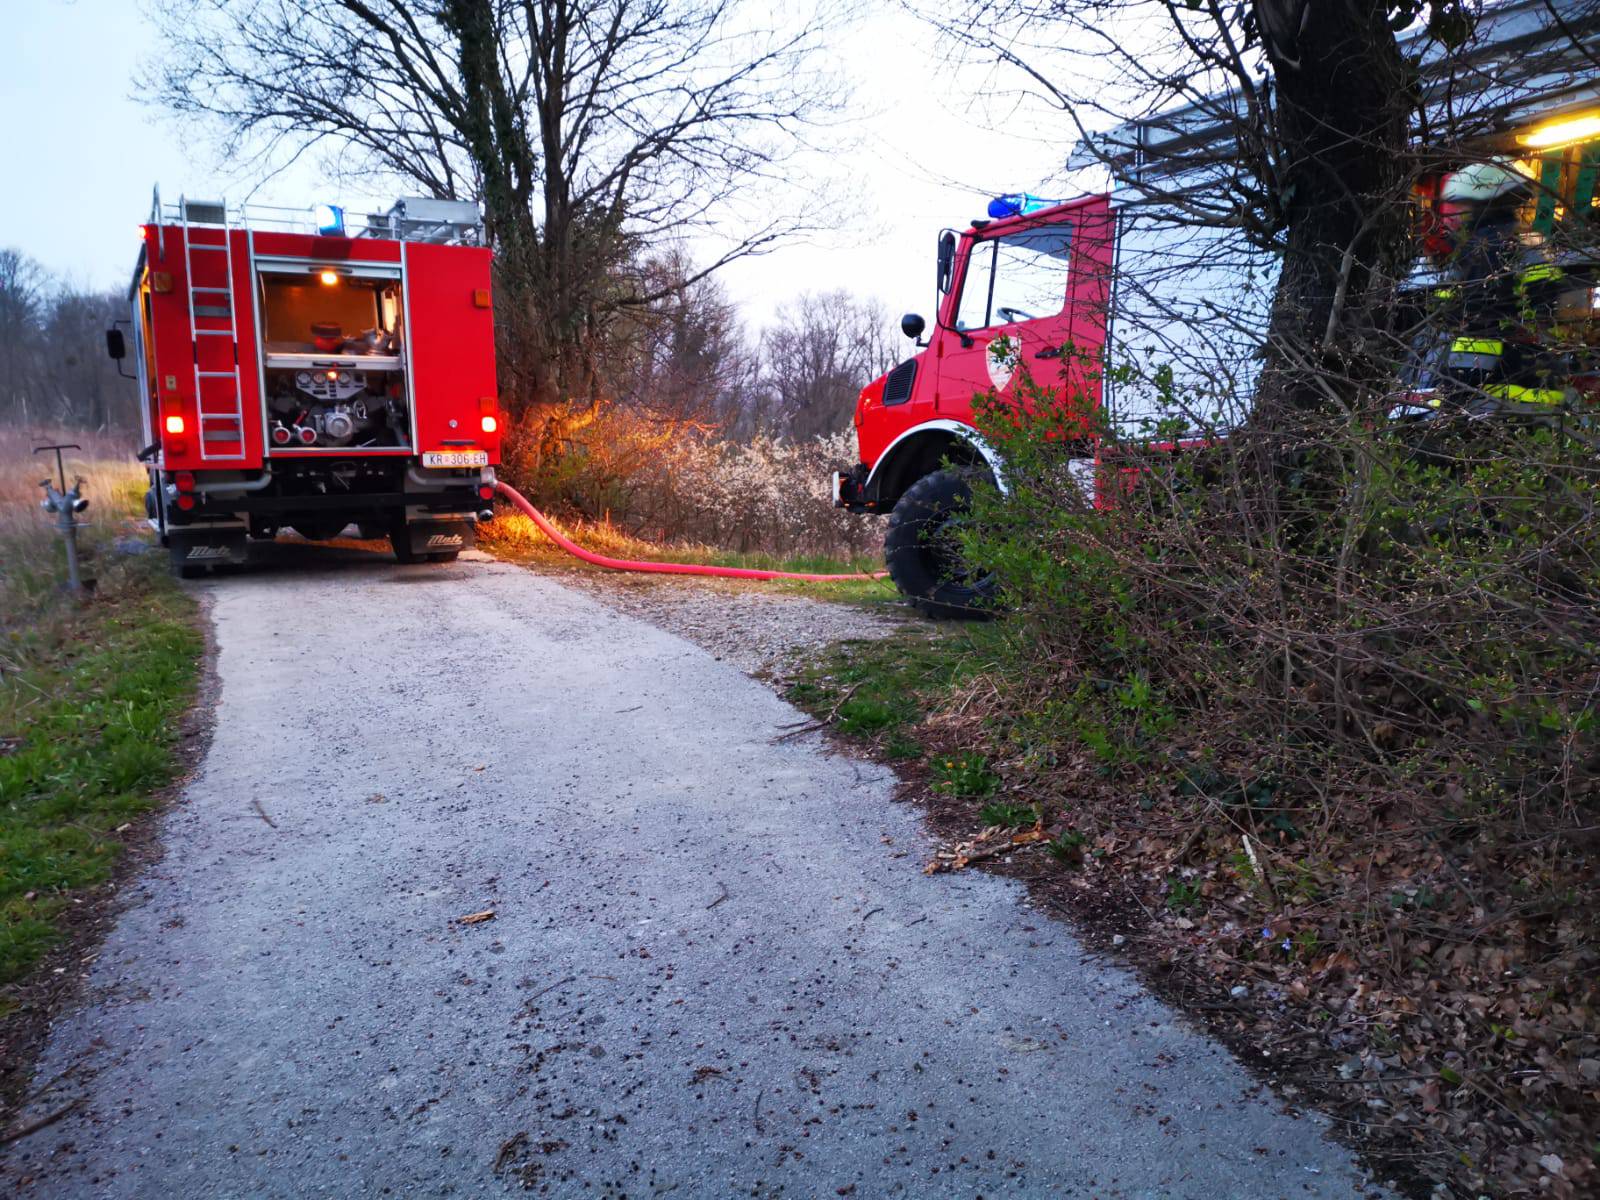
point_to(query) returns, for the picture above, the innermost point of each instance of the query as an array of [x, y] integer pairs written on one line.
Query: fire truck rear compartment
[[334, 368]]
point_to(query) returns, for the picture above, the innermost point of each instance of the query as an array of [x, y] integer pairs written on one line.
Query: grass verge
[[92, 695]]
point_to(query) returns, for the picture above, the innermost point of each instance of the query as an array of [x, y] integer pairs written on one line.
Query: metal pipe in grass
[[66, 503]]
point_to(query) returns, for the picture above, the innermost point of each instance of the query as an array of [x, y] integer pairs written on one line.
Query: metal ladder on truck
[[220, 405]]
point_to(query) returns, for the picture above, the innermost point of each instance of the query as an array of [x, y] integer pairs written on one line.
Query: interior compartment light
[[174, 424], [329, 219], [1563, 132], [329, 278]]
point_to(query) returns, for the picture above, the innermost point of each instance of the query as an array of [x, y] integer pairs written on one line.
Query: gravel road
[[757, 629], [714, 967]]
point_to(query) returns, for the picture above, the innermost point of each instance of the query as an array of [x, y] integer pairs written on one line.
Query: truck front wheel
[[923, 558]]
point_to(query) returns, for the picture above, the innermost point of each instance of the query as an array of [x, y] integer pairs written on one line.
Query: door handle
[[1049, 352]]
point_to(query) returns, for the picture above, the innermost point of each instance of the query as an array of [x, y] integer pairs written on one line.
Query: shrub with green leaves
[[1414, 597]]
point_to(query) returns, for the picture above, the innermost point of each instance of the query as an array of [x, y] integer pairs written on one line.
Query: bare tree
[[595, 132], [814, 359], [686, 355], [22, 301], [53, 369], [1285, 125]]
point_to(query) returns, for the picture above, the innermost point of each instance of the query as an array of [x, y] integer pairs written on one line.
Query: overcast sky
[[85, 152]]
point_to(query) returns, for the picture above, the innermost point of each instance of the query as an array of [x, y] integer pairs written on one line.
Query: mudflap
[[441, 535], [195, 548]]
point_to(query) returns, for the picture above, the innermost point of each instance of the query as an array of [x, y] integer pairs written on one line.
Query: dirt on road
[[485, 886]]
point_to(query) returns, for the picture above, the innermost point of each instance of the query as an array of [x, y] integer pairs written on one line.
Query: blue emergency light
[[1014, 204], [329, 219]]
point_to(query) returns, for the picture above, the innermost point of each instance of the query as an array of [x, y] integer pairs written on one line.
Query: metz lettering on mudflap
[[207, 552], [445, 541]]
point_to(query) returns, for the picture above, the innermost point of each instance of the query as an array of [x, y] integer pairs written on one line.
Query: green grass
[[969, 775], [91, 698], [1067, 847], [1008, 816], [862, 590], [882, 688]]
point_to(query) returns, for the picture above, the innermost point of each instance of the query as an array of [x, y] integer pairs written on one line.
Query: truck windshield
[[1018, 277]]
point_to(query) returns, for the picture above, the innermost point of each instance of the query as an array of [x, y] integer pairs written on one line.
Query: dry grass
[[514, 536], [112, 479], [91, 688]]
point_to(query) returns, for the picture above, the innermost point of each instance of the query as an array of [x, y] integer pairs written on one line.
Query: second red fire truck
[[1057, 292]]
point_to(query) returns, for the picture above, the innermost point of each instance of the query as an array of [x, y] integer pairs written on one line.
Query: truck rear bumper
[[462, 500]]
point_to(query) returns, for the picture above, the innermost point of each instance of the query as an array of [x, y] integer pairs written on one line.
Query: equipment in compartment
[[335, 366], [334, 405]]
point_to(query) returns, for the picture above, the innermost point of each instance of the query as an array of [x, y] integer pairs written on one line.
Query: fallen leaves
[[1439, 991], [477, 918], [991, 843]]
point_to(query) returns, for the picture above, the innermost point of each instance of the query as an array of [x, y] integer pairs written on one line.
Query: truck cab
[[1020, 296]]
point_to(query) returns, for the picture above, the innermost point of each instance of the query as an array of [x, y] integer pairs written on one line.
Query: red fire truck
[[1014, 293], [301, 370], [1045, 288]]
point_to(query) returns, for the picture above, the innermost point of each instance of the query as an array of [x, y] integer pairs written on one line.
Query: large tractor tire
[[922, 555]]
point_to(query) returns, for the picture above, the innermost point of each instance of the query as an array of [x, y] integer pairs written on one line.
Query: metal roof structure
[[1526, 61]]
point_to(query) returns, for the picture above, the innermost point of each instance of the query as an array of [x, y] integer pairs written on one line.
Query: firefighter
[[1502, 292]]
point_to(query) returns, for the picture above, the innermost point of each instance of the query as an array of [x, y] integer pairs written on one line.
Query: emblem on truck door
[[1002, 358]]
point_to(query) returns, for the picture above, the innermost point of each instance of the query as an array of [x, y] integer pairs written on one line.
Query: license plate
[[455, 458]]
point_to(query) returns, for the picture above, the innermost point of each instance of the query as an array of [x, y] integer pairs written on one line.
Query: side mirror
[[116, 344], [912, 326], [947, 260]]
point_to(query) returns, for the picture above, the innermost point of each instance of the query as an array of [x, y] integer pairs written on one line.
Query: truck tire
[[924, 562]]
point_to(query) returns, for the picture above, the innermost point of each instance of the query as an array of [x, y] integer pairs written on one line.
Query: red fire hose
[[662, 568]]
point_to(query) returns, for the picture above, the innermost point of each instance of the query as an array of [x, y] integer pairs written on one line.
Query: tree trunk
[[497, 141], [1344, 96]]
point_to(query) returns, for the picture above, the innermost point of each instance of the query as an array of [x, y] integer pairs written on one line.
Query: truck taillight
[[174, 424], [183, 481], [490, 424], [486, 491], [185, 501]]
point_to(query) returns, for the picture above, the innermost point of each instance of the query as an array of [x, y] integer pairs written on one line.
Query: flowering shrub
[[679, 481]]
